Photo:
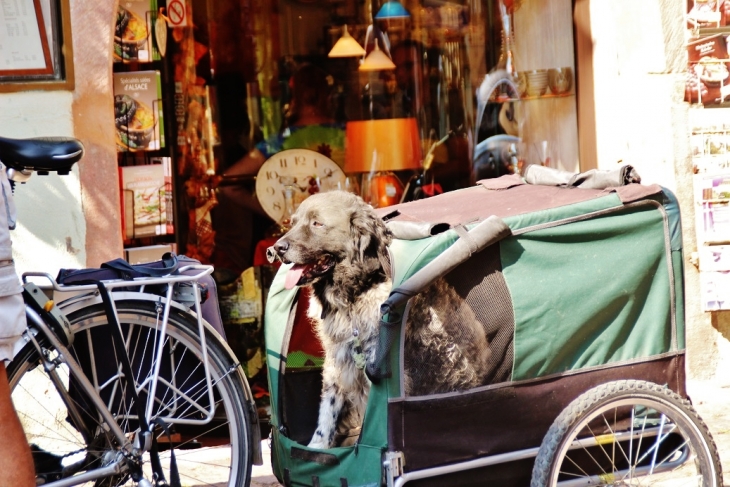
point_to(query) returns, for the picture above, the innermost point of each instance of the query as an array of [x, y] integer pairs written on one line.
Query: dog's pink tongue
[[293, 276]]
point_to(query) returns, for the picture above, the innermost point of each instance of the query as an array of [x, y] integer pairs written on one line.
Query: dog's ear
[[370, 237]]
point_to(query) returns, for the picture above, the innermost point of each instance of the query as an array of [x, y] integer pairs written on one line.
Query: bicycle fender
[[49, 312]]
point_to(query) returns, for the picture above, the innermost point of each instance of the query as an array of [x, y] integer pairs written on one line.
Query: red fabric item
[[303, 336], [432, 189]]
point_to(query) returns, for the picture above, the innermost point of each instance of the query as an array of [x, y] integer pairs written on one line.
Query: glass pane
[[440, 112]]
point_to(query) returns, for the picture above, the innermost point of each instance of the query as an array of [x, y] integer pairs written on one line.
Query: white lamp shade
[[346, 46], [377, 60]]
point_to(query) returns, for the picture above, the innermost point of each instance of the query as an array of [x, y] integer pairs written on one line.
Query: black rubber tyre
[[216, 453], [627, 433]]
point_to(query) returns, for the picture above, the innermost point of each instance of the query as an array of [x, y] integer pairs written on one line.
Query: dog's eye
[[317, 224]]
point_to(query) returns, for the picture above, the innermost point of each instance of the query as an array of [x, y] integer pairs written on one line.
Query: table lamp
[[377, 148]]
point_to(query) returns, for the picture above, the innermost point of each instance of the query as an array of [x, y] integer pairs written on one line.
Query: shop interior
[[398, 100]]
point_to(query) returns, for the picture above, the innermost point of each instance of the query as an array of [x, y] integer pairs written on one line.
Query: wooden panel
[[544, 40], [586, 106]]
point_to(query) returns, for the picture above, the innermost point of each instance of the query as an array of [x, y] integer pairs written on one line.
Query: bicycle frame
[[83, 296]]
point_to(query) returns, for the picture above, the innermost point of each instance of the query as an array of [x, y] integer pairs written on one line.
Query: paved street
[[710, 399], [261, 475]]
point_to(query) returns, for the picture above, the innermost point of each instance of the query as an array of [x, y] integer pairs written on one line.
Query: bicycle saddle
[[41, 154]]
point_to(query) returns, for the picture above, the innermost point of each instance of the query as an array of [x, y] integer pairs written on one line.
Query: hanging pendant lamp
[[392, 9], [346, 46], [377, 60]]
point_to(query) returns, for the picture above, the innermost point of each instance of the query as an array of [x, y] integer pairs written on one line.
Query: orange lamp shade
[[382, 145]]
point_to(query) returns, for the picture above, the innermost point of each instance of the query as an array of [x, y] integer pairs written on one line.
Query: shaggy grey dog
[[339, 247]]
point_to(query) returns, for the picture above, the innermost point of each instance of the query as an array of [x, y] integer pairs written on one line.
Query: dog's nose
[[281, 246], [277, 250], [270, 255]]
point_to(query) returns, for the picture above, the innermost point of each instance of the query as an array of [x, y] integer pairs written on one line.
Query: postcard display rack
[[145, 165], [708, 91]]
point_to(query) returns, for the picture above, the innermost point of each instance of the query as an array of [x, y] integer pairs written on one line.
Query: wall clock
[[302, 172]]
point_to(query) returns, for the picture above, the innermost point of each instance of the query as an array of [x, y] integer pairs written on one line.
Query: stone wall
[[639, 64]]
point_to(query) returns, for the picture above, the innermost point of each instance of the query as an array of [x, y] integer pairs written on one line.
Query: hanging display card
[[713, 234], [708, 74], [144, 201], [138, 111], [134, 31], [713, 216], [704, 14]]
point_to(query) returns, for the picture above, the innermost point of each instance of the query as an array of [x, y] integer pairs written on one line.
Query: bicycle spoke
[[208, 449]]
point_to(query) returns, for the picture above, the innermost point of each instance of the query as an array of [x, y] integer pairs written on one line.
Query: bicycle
[[126, 382]]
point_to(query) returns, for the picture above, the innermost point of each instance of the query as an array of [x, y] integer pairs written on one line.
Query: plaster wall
[[639, 64], [51, 230], [71, 221]]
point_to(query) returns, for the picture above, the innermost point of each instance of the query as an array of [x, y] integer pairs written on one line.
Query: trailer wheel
[[628, 433]]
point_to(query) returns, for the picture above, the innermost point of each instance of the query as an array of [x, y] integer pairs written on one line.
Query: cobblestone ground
[[710, 399], [261, 474]]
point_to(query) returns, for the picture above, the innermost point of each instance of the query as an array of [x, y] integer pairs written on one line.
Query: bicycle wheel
[[208, 451], [628, 433]]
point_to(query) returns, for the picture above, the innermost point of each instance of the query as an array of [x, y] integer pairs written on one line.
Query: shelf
[[529, 98], [129, 66], [708, 31], [547, 96]]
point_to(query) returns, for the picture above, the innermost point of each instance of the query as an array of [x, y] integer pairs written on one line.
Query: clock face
[[301, 172]]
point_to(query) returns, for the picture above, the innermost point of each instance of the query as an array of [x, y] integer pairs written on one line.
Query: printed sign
[[177, 14]]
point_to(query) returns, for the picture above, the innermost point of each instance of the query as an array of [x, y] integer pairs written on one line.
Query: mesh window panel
[[459, 331]]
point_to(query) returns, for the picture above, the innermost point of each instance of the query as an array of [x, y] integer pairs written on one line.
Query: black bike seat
[[41, 154]]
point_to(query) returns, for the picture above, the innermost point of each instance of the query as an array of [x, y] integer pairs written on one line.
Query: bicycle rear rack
[[189, 276]]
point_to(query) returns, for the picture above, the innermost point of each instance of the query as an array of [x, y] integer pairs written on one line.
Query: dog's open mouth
[[301, 274]]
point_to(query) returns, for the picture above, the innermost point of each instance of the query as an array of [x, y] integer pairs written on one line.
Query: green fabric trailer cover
[[293, 462], [590, 293], [594, 283]]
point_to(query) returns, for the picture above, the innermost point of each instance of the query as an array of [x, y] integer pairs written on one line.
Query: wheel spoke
[[657, 440], [216, 453]]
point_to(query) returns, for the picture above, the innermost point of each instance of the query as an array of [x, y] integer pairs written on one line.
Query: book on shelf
[[134, 32], [166, 163], [138, 111], [145, 201]]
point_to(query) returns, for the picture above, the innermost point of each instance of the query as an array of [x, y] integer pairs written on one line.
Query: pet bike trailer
[[575, 287]]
